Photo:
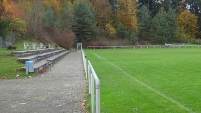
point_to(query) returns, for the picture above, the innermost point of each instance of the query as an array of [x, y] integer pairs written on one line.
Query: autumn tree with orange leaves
[[188, 23], [103, 12], [127, 15]]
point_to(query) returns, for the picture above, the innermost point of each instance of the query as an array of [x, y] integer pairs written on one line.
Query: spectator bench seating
[[30, 52], [38, 57], [46, 60]]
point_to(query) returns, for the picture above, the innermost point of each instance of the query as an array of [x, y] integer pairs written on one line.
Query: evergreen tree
[[172, 25], [121, 31], [166, 5], [67, 17], [175, 3], [159, 25], [133, 37], [4, 27], [85, 27], [164, 26], [144, 22], [49, 17], [153, 5], [50, 21]]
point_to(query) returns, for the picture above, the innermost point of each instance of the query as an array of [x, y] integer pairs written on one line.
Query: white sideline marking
[[147, 86]]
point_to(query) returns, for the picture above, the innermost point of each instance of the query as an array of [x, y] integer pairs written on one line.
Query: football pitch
[[162, 80]]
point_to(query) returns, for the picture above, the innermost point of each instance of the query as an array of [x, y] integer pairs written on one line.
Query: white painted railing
[[144, 46], [84, 62], [94, 83]]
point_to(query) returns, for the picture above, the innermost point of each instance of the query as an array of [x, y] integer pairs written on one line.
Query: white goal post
[[79, 46]]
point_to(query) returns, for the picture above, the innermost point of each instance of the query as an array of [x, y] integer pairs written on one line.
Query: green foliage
[[166, 5], [110, 30], [18, 27], [67, 17], [35, 19], [158, 31], [133, 37], [85, 27], [163, 27], [49, 17], [46, 17], [121, 31], [4, 27], [144, 22], [172, 25], [182, 35], [50, 21], [153, 5]]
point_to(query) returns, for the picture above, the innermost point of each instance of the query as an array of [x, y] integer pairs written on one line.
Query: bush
[[196, 41], [65, 39], [110, 30], [11, 47]]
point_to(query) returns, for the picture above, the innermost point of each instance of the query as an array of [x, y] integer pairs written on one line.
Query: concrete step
[[38, 57], [57, 57], [30, 52], [45, 63]]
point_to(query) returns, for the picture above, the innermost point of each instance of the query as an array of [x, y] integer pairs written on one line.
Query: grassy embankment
[[9, 67]]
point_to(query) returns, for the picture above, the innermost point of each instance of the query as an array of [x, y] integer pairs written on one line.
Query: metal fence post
[[89, 77], [92, 93], [97, 96]]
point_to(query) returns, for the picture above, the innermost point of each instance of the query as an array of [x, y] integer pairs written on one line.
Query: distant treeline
[[156, 21]]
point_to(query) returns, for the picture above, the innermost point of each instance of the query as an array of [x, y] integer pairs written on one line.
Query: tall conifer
[[85, 27], [144, 22]]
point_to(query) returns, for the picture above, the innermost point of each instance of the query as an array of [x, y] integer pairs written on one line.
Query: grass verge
[[9, 67]]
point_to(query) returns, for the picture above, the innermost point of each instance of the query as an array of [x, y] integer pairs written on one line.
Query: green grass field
[[164, 80]]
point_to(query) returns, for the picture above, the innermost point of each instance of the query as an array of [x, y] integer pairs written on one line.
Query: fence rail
[[144, 46], [94, 83]]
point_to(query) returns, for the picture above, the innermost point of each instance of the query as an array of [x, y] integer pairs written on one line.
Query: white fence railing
[[94, 83], [144, 46], [84, 62]]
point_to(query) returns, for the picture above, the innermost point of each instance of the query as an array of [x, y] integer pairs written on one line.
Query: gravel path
[[60, 90]]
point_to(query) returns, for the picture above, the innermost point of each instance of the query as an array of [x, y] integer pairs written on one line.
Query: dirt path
[[59, 90]]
